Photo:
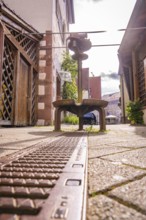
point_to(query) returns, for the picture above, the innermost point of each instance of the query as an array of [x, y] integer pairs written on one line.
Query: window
[[61, 24]]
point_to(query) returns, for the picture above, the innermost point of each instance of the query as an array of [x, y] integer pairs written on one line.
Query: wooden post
[[80, 123], [30, 88], [16, 86], [135, 80], [102, 119], [1, 55], [57, 119]]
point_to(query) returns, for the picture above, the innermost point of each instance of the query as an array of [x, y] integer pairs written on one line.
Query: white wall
[[144, 116], [37, 13]]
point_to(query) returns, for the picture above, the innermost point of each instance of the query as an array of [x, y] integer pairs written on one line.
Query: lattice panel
[[7, 80], [141, 82], [29, 45], [34, 101]]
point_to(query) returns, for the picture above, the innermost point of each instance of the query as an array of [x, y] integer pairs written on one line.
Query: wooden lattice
[[17, 40], [7, 80], [28, 43], [34, 101], [141, 82]]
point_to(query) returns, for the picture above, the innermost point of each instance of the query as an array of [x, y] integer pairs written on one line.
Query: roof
[[134, 31], [9, 13]]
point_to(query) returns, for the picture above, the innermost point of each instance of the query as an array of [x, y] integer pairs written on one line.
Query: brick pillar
[[45, 82]]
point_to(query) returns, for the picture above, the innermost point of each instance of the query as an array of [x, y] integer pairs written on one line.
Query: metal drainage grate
[[40, 184]]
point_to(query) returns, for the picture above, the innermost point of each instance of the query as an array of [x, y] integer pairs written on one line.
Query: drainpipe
[[123, 100]]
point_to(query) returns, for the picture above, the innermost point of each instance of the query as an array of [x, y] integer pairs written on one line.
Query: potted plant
[[135, 113]]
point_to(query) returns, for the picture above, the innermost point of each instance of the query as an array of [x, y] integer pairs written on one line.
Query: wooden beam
[[16, 83], [30, 96], [134, 72], [1, 55], [17, 45], [10, 17]]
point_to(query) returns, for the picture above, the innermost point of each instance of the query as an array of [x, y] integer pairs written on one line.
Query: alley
[[114, 179]]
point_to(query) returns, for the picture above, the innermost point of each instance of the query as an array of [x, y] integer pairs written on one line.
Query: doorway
[[23, 93]]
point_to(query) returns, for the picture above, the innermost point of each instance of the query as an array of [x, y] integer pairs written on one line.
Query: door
[[23, 93]]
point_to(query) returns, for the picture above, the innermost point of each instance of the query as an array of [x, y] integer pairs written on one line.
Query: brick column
[[45, 82]]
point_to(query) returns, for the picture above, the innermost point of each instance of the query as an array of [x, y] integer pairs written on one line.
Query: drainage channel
[[48, 182]]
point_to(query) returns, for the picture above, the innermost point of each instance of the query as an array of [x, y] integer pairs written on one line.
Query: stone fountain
[[79, 43]]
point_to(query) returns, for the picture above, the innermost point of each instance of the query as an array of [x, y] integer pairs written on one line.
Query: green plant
[[134, 112], [69, 88], [90, 129], [71, 119]]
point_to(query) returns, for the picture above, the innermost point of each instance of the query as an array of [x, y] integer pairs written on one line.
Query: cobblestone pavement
[[116, 167], [117, 174]]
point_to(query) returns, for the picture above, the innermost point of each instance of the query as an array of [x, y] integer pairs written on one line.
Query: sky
[[97, 15]]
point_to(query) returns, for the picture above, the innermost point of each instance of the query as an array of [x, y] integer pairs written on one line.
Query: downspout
[[123, 100]]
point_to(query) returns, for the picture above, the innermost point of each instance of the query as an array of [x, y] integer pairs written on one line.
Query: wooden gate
[[7, 83], [18, 79]]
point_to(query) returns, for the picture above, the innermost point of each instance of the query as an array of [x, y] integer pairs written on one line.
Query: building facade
[[95, 87], [34, 42], [132, 57], [91, 85], [113, 108]]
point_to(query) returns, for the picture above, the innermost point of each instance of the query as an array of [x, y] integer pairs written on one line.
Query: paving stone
[[5, 152], [135, 143], [103, 208], [117, 179], [104, 151], [133, 193], [132, 158], [103, 174]]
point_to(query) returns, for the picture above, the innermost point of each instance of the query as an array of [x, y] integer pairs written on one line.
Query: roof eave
[[131, 34], [7, 12]]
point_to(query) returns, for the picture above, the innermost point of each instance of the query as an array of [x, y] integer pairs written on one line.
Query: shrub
[[71, 119], [69, 88], [134, 112]]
